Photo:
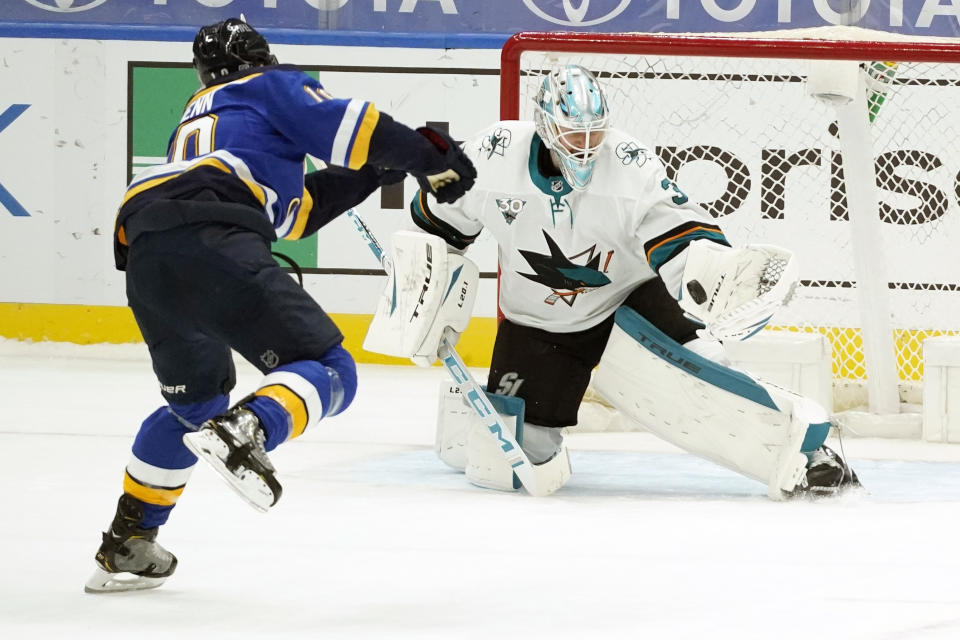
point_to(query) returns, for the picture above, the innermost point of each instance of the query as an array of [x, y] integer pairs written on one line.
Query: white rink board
[[64, 158]]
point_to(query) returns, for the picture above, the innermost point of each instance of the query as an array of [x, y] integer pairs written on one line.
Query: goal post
[[863, 187]]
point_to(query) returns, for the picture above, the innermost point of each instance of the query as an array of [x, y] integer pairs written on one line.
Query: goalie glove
[[429, 296], [449, 185], [735, 291]]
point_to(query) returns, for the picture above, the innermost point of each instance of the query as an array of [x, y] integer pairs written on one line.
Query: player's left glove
[[450, 185]]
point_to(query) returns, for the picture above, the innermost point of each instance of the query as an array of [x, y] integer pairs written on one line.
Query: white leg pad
[[463, 442], [486, 466], [454, 419], [709, 410], [555, 472]]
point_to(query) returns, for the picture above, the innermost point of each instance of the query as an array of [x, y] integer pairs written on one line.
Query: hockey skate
[[130, 559], [233, 445], [827, 475]]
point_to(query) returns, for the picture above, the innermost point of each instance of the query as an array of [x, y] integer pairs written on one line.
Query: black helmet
[[228, 46]]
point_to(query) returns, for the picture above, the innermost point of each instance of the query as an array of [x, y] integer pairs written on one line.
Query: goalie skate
[[232, 444], [827, 475]]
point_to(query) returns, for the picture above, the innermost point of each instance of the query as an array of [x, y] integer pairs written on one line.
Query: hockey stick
[[470, 388]]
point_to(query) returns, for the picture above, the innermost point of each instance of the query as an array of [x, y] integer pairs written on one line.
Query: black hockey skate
[[827, 475], [130, 558], [233, 445]]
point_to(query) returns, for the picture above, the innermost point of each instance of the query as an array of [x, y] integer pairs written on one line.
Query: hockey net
[[734, 122]]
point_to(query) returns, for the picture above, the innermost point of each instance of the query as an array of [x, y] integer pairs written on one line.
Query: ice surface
[[375, 538]]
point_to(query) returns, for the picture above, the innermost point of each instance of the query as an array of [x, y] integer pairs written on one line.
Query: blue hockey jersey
[[256, 130]]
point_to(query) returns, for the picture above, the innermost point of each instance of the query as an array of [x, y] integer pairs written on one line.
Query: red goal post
[[732, 119]]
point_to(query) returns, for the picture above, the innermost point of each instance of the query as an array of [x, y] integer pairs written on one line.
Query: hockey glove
[[448, 186], [389, 176], [735, 291]]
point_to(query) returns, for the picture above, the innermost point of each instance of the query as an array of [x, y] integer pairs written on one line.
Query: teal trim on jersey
[[657, 343], [667, 250], [816, 436], [543, 182], [510, 406]]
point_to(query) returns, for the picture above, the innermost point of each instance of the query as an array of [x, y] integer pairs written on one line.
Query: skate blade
[[105, 582], [845, 492], [248, 485]]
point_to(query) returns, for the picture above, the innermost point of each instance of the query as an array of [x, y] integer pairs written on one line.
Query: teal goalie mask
[[571, 117]]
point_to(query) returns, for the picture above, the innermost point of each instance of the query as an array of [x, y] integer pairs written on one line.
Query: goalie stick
[[470, 388]]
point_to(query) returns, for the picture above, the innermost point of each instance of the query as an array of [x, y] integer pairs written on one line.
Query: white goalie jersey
[[569, 258]]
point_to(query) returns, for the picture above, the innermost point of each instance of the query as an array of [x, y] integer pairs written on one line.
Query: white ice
[[375, 538]]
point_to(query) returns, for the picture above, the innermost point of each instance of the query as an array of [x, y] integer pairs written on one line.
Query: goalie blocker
[[429, 294]]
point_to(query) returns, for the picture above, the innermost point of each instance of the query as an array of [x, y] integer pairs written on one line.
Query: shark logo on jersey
[[497, 142], [565, 278], [632, 153], [510, 208]]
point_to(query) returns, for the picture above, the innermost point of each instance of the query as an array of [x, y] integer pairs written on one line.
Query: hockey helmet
[[228, 46], [571, 117]]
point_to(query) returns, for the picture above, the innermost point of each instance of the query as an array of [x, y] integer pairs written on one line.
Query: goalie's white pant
[[705, 408], [464, 443]]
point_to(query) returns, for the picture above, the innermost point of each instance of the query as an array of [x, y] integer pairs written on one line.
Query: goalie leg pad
[[486, 466], [709, 410], [455, 419], [463, 442]]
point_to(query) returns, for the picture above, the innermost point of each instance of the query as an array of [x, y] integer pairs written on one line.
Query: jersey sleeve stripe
[[360, 147], [661, 249], [301, 215], [339, 154]]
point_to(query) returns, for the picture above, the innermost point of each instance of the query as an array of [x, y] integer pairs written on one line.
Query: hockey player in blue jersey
[[193, 236]]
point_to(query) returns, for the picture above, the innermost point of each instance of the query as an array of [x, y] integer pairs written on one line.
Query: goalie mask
[[228, 46], [571, 117]]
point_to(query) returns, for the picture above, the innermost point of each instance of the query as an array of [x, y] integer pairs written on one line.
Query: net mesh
[[742, 137]]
